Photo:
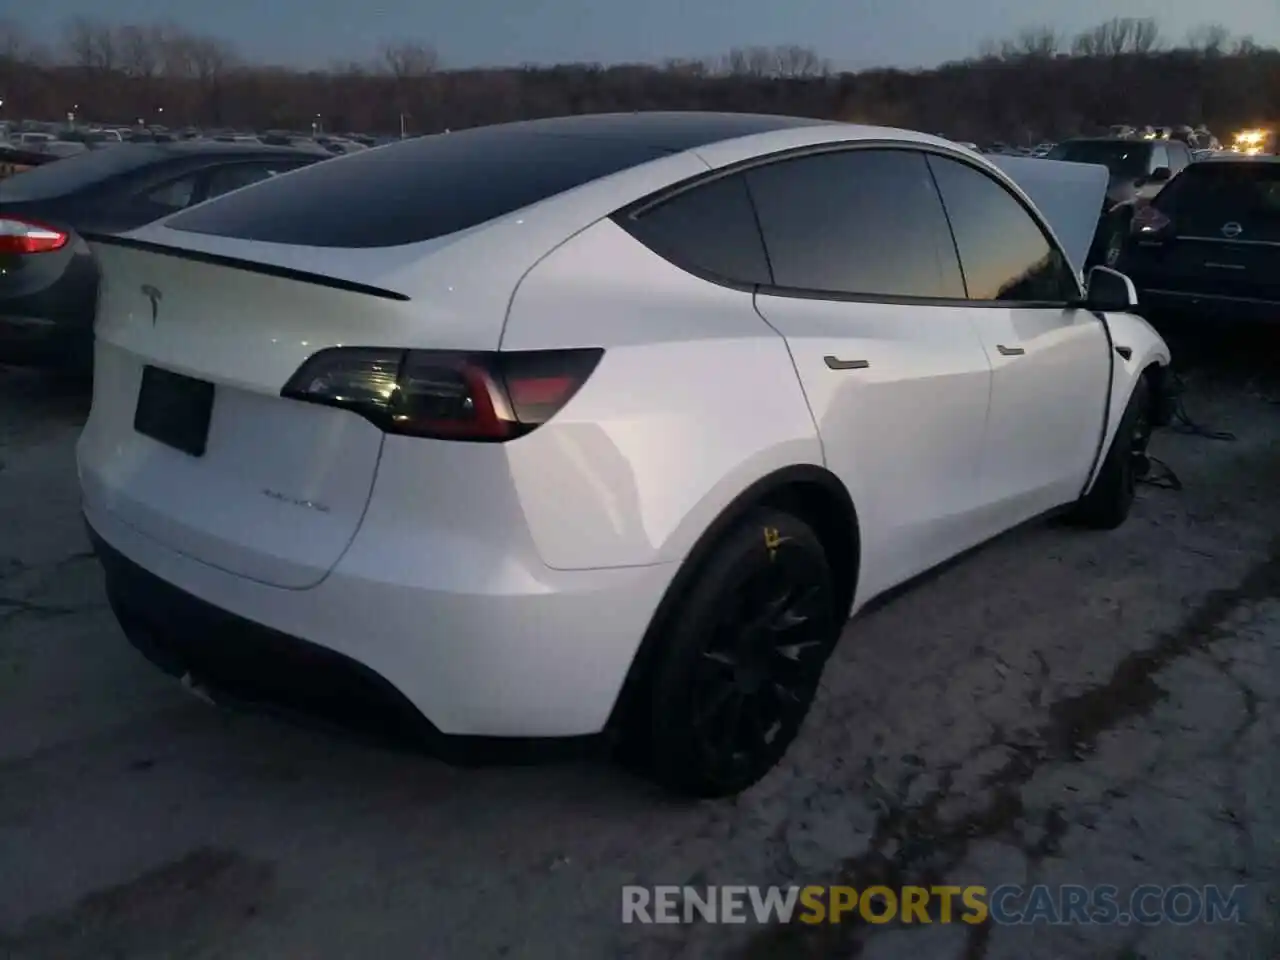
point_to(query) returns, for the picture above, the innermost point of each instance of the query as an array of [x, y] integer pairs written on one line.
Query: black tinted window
[[413, 190], [233, 176], [72, 174], [1123, 158], [1004, 252], [709, 229], [175, 194], [1207, 196], [860, 221]]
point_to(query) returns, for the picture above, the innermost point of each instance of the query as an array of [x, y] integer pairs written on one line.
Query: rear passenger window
[[861, 222], [176, 194], [236, 175], [709, 229], [1005, 254]]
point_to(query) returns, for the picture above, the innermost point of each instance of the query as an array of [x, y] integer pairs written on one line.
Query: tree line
[[1037, 84]]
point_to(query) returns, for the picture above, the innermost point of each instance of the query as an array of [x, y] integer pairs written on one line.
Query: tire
[[1108, 503], [743, 659]]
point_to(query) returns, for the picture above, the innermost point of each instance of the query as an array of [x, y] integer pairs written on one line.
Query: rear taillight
[[454, 396], [27, 236], [1148, 222]]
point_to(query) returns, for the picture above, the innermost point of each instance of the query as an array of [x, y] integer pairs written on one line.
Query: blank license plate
[[175, 410]]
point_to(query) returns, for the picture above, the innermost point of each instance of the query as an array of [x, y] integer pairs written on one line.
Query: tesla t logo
[[155, 296], [1232, 230]]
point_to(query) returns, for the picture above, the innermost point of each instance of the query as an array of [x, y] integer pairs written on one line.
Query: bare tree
[[91, 44], [1211, 39], [16, 44], [1118, 36], [1146, 35], [141, 50], [785, 60], [1041, 42], [211, 58], [686, 67], [748, 62], [799, 62], [409, 60]]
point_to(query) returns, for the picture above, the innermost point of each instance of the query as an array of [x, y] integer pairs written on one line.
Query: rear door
[[1225, 236], [1051, 365], [868, 294]]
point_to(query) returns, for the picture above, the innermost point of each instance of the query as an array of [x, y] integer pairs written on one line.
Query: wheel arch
[[812, 493]]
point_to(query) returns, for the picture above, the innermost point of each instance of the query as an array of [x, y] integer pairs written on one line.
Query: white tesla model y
[[592, 424]]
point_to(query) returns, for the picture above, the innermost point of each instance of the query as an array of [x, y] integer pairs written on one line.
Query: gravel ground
[[1060, 707]]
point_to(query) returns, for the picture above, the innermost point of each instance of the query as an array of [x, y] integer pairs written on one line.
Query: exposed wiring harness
[[1156, 473]]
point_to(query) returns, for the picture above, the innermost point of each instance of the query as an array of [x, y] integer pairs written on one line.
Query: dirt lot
[[1062, 707]]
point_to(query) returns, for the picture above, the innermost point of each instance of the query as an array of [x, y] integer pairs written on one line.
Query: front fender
[[1137, 347]]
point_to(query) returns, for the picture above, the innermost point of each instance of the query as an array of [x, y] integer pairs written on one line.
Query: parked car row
[[63, 140], [49, 279]]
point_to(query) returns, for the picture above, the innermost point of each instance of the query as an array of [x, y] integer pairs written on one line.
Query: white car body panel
[[484, 642], [905, 433], [504, 588], [1148, 350], [597, 483], [1047, 405]]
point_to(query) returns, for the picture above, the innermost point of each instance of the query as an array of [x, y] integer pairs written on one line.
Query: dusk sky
[[851, 33]]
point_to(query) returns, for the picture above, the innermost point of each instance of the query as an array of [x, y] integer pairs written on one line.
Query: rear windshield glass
[[74, 173], [1121, 158], [413, 191], [1225, 191]]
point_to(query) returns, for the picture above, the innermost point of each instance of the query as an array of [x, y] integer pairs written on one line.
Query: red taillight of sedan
[[26, 236]]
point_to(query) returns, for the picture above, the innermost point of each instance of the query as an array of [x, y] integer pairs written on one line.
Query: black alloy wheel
[[745, 659]]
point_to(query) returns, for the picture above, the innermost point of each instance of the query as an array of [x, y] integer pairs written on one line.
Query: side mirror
[[1109, 291], [1160, 175]]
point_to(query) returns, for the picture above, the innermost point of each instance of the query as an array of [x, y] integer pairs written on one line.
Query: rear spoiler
[[239, 263]]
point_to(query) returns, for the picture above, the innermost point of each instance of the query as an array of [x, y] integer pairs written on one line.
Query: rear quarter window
[[413, 191], [708, 230]]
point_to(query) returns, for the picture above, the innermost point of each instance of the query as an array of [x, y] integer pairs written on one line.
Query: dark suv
[[1209, 245], [1139, 170]]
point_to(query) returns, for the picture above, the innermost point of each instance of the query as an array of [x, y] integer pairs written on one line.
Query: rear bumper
[[1208, 306], [515, 660]]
